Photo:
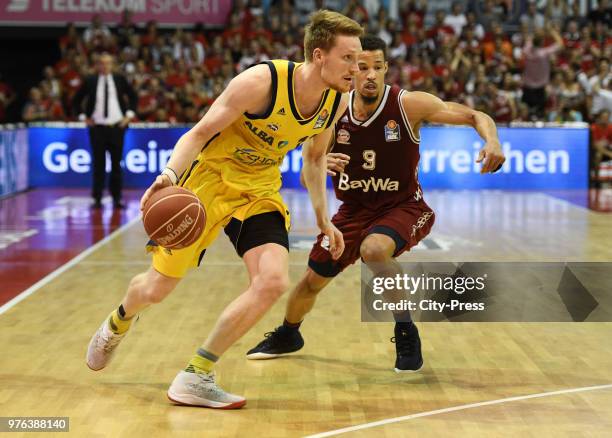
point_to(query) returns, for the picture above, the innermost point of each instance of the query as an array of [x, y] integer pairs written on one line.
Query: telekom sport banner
[[537, 158], [59, 12]]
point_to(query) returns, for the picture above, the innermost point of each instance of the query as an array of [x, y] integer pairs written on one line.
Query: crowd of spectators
[[515, 60]]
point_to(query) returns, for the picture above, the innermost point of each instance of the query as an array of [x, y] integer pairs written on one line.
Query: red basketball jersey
[[384, 151]]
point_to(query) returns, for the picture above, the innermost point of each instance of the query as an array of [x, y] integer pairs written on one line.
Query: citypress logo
[[18, 6]]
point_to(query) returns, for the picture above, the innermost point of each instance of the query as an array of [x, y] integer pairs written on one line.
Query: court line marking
[[456, 408], [69, 264]]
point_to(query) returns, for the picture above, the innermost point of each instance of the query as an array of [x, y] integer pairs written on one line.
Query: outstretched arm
[[336, 162], [223, 112], [424, 107], [314, 175], [556, 36]]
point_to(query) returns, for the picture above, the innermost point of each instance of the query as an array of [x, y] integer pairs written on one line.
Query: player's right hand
[[336, 240], [160, 182], [336, 162], [493, 157]]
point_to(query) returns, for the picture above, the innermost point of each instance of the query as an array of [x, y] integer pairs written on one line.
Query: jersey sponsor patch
[[262, 135], [251, 157], [321, 119], [392, 131], [367, 184], [343, 136]]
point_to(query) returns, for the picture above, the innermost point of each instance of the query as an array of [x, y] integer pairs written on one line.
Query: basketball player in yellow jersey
[[230, 159]]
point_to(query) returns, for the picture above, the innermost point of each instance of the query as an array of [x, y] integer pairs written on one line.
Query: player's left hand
[[336, 240], [336, 162], [493, 157]]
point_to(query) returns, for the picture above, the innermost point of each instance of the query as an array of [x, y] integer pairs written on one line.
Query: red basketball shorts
[[407, 224]]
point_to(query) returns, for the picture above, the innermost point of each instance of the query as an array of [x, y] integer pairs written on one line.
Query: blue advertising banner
[[61, 157], [537, 158], [13, 160]]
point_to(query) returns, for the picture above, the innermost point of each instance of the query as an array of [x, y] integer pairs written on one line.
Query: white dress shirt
[[115, 115], [456, 22]]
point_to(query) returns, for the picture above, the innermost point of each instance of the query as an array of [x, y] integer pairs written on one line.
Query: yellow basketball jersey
[[248, 153], [237, 174]]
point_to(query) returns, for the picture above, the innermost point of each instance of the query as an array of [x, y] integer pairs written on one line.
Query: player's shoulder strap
[[329, 102], [274, 73], [282, 100], [414, 136], [337, 97], [332, 141]]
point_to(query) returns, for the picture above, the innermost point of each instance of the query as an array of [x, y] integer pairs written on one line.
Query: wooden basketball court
[[479, 379]]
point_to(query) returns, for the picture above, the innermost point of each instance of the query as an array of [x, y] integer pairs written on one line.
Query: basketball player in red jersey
[[374, 170]]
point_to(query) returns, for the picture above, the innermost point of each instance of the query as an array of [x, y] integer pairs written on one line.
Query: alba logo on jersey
[[376, 184], [267, 138]]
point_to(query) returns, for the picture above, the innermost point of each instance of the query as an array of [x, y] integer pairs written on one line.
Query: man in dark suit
[[109, 106]]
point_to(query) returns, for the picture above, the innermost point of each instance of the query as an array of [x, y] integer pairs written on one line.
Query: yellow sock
[[117, 324], [202, 362]]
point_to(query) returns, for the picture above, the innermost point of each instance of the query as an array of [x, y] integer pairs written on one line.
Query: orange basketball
[[174, 218]]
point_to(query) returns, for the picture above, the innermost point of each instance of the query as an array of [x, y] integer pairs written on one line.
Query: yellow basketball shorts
[[222, 203]]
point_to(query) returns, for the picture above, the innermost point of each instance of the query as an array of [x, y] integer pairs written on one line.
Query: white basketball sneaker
[[193, 389], [102, 346]]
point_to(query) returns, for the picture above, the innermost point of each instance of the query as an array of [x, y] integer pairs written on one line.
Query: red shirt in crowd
[[602, 132]]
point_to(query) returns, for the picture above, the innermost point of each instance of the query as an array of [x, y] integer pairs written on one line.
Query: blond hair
[[323, 28]]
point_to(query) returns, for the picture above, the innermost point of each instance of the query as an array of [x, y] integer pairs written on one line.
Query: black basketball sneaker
[[408, 349], [280, 342]]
